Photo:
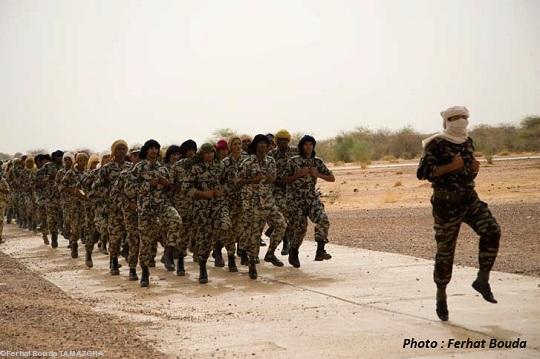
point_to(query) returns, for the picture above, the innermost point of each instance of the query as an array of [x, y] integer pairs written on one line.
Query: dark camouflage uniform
[[183, 203], [234, 202], [154, 210], [64, 222], [40, 186], [259, 206], [211, 216], [305, 200], [125, 193], [90, 230], [52, 197], [75, 210], [455, 201]]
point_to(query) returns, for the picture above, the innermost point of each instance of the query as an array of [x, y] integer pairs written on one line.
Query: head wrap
[[116, 144], [135, 149], [454, 131], [146, 146], [173, 149], [232, 139], [80, 154], [222, 145], [245, 138], [283, 134], [68, 155], [186, 146], [253, 145], [303, 140], [57, 153], [93, 158]]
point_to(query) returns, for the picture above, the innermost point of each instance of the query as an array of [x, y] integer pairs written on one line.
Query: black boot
[[252, 270], [133, 274], [285, 247], [88, 260], [243, 257], [485, 290], [74, 250], [293, 258], [203, 275], [145, 277], [442, 310], [180, 270], [168, 259], [54, 240], [232, 264], [271, 258], [218, 258], [125, 251], [114, 266], [262, 243], [45, 239], [321, 253]]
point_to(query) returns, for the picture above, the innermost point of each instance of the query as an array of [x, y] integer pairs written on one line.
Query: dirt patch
[[37, 315]]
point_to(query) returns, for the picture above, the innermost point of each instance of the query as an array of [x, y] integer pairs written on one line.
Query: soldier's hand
[[163, 181], [236, 180], [302, 172], [218, 193], [132, 205], [457, 161], [258, 178], [314, 172], [154, 182]]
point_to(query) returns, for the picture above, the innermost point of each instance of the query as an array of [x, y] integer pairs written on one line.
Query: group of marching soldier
[[192, 198]]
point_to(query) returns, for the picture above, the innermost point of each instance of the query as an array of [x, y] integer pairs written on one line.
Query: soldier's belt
[[455, 197]]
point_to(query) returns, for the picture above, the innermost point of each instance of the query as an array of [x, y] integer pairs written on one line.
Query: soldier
[[91, 234], [448, 163], [126, 193], [183, 203], [68, 163], [233, 197], [4, 193], [16, 181], [10, 210], [52, 196], [271, 138], [153, 207], [28, 194], [102, 186], [246, 140], [222, 149], [304, 170], [40, 193], [101, 219], [282, 155], [75, 211], [204, 183], [257, 176]]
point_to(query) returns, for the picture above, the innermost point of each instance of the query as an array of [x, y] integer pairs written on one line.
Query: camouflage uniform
[[154, 210], [17, 175], [211, 216], [75, 210], [259, 206], [234, 201], [306, 202], [4, 193], [64, 222], [455, 201], [52, 198], [102, 186], [40, 186], [183, 204], [91, 234], [29, 198], [124, 191]]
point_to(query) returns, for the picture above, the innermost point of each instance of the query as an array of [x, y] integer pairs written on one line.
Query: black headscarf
[[173, 149], [186, 146], [57, 153], [252, 148], [306, 138], [146, 146]]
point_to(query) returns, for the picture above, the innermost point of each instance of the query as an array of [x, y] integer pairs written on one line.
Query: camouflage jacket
[[231, 170], [282, 167], [4, 192], [305, 187], [260, 194], [178, 175], [72, 180], [440, 152], [40, 185], [50, 191], [202, 177], [86, 183], [149, 199], [58, 183], [104, 182]]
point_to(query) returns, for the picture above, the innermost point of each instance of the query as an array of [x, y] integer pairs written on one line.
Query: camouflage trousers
[[211, 223], [254, 220], [90, 231], [448, 216], [237, 228], [2, 210], [283, 204], [101, 222], [75, 221], [53, 217], [152, 223], [312, 208], [116, 229], [131, 221], [42, 218], [187, 236], [29, 209]]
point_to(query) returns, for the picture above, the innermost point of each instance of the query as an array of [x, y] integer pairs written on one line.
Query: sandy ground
[[339, 308]]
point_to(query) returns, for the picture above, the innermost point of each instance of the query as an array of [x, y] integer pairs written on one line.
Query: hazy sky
[[79, 73]]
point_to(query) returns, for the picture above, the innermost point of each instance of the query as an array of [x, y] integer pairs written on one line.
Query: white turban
[[68, 155], [455, 111], [457, 132]]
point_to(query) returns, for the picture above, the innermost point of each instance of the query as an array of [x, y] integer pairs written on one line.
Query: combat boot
[[168, 259], [285, 247], [321, 253], [203, 274], [252, 270], [45, 239], [293, 258], [114, 266], [54, 240], [232, 264], [442, 310], [271, 258], [74, 250], [180, 270], [133, 274], [88, 260], [218, 258], [243, 258], [145, 277], [485, 290]]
